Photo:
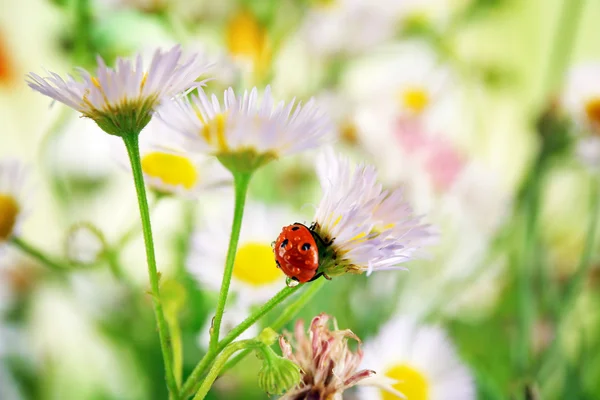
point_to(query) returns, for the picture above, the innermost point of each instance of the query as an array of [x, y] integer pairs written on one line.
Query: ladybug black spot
[[306, 246], [295, 228], [284, 243]]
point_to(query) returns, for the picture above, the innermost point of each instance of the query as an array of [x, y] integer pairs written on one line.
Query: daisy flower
[[256, 277], [408, 81], [348, 27], [368, 228], [121, 100], [245, 132], [581, 99], [328, 365], [420, 359], [169, 169], [12, 206]]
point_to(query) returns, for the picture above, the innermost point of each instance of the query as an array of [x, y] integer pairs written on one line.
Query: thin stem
[[288, 314], [525, 302], [241, 182], [132, 145], [37, 254], [191, 383], [214, 372], [562, 44], [576, 281]]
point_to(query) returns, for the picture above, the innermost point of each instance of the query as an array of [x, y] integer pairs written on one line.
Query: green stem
[[220, 361], [37, 254], [133, 149], [288, 314], [190, 384], [574, 284], [562, 44], [241, 182], [526, 303]]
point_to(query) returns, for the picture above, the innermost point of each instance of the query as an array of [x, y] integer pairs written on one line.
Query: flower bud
[[277, 374]]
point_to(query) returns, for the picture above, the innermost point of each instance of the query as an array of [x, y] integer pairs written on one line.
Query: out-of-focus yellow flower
[[249, 41], [7, 68], [12, 175]]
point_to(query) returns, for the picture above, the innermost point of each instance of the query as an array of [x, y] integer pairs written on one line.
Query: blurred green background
[[513, 233]]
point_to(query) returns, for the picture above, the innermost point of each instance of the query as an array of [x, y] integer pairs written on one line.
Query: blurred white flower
[[246, 125], [369, 228], [84, 244], [328, 365], [256, 277], [169, 168], [121, 100], [349, 27], [581, 99], [421, 359], [13, 204], [581, 95]]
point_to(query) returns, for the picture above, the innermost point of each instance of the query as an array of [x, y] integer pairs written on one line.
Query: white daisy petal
[[121, 100], [245, 123], [422, 361], [371, 228]]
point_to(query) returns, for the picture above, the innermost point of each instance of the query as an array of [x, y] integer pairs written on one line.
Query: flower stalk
[[241, 183], [133, 150], [37, 254], [192, 382]]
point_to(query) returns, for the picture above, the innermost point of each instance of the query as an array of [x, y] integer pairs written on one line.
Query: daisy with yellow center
[[121, 100], [12, 176], [369, 228], [581, 99], [256, 277], [348, 27], [169, 169], [420, 359], [245, 132]]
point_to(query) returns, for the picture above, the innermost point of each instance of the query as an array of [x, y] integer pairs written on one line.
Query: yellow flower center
[[411, 383], [592, 110], [171, 169], [255, 264], [415, 99], [213, 131], [9, 210], [247, 38]]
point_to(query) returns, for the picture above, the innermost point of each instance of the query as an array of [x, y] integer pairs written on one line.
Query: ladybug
[[297, 253]]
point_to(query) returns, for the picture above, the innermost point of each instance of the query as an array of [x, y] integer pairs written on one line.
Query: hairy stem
[[132, 145], [241, 182], [220, 363], [190, 385]]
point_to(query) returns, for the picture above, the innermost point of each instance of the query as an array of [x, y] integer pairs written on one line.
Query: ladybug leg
[[278, 265], [326, 276], [317, 276]]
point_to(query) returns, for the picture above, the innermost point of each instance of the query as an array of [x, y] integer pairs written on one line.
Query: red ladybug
[[296, 253]]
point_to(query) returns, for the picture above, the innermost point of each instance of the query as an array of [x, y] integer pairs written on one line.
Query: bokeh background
[[457, 101]]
